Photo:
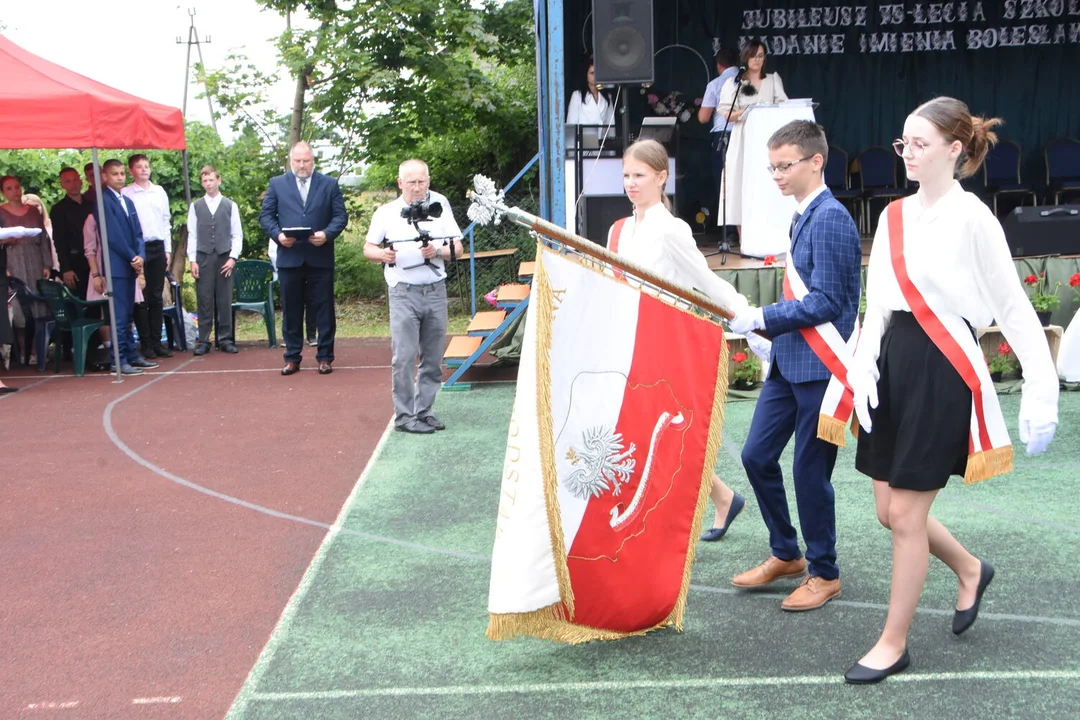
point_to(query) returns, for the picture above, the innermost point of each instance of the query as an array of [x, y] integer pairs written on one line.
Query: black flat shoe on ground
[[963, 619], [861, 675], [715, 533]]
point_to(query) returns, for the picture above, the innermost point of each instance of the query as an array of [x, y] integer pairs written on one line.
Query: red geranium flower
[[1004, 349], [1031, 280], [1074, 281], [771, 260], [739, 357]]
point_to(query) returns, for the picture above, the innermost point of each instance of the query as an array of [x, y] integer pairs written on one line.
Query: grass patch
[[355, 318]]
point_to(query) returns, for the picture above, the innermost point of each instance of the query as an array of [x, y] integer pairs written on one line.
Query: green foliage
[[357, 277]]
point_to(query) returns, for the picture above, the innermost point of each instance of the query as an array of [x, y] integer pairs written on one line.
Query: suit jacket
[[324, 210], [125, 233], [827, 253]]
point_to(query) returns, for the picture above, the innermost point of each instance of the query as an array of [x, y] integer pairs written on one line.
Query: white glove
[[746, 322], [1037, 435], [863, 379], [760, 347]]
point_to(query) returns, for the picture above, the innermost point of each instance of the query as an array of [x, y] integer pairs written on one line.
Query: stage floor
[[735, 262]]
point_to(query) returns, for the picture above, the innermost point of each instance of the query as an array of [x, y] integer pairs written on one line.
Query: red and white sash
[[613, 242], [990, 449], [829, 346]]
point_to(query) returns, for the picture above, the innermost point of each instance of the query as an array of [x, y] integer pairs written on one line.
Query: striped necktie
[[794, 224], [303, 190]]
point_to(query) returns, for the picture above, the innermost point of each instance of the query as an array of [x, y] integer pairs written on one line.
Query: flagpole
[[588, 247]]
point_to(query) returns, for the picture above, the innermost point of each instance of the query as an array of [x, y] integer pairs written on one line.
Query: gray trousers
[[213, 291], [417, 327]]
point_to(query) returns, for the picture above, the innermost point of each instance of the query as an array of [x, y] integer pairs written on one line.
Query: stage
[[708, 244]]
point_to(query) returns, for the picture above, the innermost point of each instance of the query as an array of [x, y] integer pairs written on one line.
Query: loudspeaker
[[601, 212], [623, 41], [1043, 230]]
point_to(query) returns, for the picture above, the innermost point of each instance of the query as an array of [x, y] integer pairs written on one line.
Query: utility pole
[[193, 39]]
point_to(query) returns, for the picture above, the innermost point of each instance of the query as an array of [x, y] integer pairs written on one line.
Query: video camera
[[421, 210]]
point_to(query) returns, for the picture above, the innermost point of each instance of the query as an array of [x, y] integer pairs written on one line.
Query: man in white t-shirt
[[415, 273]]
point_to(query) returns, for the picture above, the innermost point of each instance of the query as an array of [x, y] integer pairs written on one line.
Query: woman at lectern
[[589, 106], [754, 87]]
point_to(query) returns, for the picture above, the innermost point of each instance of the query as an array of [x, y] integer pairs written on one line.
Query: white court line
[[675, 684], [52, 705], [277, 635], [157, 700], [23, 388], [151, 373]]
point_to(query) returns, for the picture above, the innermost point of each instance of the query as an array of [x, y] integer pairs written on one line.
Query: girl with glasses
[[939, 267]]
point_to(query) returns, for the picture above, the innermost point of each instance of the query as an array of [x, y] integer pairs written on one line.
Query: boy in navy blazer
[[305, 199], [826, 253]]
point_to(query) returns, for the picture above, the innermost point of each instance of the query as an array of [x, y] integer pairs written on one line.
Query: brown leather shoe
[[811, 594], [325, 368], [290, 368], [772, 569]]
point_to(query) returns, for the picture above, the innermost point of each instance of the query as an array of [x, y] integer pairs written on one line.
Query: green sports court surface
[[389, 619]]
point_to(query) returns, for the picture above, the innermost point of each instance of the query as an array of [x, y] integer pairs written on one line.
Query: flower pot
[[741, 384], [996, 376], [1044, 317]]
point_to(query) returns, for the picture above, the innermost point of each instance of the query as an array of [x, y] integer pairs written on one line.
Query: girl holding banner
[[654, 238], [939, 266]]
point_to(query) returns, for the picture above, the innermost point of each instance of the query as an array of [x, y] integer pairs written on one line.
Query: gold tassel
[[712, 448], [854, 426], [545, 311], [831, 430], [988, 463]]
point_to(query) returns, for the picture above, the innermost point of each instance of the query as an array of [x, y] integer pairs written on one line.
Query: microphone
[[742, 71]]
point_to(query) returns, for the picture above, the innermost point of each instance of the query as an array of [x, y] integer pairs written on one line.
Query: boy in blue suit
[[826, 254], [127, 254]]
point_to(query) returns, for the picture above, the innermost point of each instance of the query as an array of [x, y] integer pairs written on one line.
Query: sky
[[132, 45]]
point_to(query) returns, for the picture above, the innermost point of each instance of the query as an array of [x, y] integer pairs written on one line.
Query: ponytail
[[982, 139]]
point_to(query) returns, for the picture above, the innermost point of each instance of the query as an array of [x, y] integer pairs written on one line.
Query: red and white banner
[[609, 459]]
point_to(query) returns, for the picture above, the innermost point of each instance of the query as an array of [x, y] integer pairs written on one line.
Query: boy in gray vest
[[215, 240]]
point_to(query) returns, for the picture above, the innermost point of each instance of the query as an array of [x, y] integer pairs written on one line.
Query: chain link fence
[[496, 251]]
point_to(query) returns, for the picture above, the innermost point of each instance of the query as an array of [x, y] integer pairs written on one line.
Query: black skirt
[[922, 424], [7, 337]]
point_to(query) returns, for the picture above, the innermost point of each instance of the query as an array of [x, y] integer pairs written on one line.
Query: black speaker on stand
[[623, 47]]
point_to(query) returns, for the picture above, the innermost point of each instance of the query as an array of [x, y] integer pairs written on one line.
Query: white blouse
[[771, 91], [958, 258], [589, 111], [665, 245]]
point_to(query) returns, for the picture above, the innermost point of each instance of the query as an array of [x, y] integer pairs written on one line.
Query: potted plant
[[1044, 303], [1074, 283], [747, 371], [1000, 363]]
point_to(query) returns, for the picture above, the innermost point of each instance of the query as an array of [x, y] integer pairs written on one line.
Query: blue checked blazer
[[827, 253]]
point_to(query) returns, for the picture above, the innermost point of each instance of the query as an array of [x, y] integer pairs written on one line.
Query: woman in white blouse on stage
[[589, 106], [756, 87], [939, 267], [655, 239]]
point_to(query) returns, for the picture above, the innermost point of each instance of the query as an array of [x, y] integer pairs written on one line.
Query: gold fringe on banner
[[712, 448], [831, 430], [546, 425], [988, 463]]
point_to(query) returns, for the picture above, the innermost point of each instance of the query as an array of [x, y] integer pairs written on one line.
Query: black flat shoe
[[963, 619], [5, 390], [861, 675], [715, 534]]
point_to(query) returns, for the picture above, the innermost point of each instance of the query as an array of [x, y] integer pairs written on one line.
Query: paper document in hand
[[609, 459], [15, 233]]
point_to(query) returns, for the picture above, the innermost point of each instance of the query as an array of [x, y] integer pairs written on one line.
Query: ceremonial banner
[[609, 458]]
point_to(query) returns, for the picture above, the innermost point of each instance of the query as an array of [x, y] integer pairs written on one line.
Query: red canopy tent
[[44, 105]]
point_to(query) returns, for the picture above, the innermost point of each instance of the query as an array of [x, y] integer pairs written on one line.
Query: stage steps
[[487, 326]]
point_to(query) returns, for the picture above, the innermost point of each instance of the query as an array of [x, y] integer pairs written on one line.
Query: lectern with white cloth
[[766, 214]]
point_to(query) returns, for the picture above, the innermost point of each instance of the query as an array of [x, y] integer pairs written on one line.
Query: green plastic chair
[[253, 290], [69, 315]]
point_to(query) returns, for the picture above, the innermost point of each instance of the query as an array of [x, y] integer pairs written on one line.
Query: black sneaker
[[161, 351], [147, 351], [142, 363]]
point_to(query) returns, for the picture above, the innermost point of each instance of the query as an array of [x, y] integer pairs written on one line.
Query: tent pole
[[103, 230]]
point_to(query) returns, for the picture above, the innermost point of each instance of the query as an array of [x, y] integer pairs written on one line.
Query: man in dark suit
[[826, 254], [303, 212], [126, 258]]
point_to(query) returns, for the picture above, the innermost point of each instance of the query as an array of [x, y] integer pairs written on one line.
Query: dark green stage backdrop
[[870, 64]]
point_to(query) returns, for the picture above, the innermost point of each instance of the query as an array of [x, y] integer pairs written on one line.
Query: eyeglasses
[[785, 168], [917, 147], [415, 183]]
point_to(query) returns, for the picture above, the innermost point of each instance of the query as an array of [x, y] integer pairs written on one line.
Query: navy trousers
[[785, 408], [124, 302], [314, 288]]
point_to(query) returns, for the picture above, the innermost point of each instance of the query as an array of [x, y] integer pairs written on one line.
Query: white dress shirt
[[387, 224], [958, 258], [589, 111], [236, 231], [665, 245], [152, 206]]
